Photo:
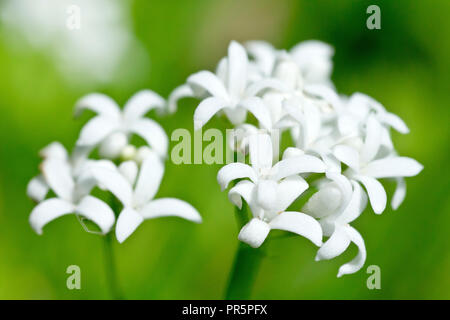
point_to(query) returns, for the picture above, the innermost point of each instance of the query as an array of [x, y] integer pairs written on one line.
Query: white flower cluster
[[131, 174], [345, 139]]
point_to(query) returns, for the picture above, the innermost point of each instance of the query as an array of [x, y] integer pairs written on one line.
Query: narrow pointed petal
[[356, 205], [256, 107], [393, 167], [376, 192], [263, 53], [152, 133], [129, 170], [183, 91], [243, 189], [127, 223], [141, 103], [117, 184], [97, 211], [58, 176], [326, 93], [296, 165], [237, 69], [206, 110], [149, 179], [357, 263], [254, 232], [47, 211], [97, 129], [170, 207], [261, 85], [206, 81], [347, 155], [261, 153], [372, 141], [299, 223], [37, 188], [345, 187], [394, 121], [289, 190], [334, 246], [399, 194], [234, 171], [99, 103], [266, 194], [54, 150]]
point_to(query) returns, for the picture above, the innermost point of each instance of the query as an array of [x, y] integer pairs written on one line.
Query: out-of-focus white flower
[[136, 192], [72, 196], [366, 168], [270, 191], [337, 203], [111, 128]]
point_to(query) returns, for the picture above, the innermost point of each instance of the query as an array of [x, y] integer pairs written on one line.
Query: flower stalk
[[110, 268]]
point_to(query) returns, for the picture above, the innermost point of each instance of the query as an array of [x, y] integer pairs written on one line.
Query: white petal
[[256, 107], [141, 103], [183, 91], [149, 180], [37, 188], [344, 186], [376, 192], [99, 103], [393, 167], [356, 205], [263, 53], [152, 133], [209, 82], [54, 150], [97, 211], [394, 121], [112, 146], [261, 153], [47, 211], [254, 232], [372, 141], [324, 202], [129, 170], [115, 183], [206, 110], [289, 190], [243, 189], [292, 152], [296, 165], [97, 129], [347, 155], [237, 69], [399, 194], [58, 176], [170, 207], [234, 171], [334, 246], [127, 222], [357, 263], [264, 84], [326, 93], [266, 194], [299, 223]]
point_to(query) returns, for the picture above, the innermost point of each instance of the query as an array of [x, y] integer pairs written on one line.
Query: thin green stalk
[[110, 267], [245, 266]]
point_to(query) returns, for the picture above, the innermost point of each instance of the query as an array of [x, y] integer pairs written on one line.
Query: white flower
[[365, 167], [230, 90], [270, 191], [136, 193], [112, 126], [72, 196], [337, 203]]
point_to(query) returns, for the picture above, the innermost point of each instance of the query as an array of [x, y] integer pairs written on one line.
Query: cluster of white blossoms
[[342, 143], [133, 175]]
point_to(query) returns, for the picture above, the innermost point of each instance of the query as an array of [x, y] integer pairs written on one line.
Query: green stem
[[110, 267], [245, 266]]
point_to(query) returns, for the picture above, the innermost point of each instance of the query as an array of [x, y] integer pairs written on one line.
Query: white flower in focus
[[366, 168], [72, 196], [111, 128], [136, 192], [337, 203], [270, 191]]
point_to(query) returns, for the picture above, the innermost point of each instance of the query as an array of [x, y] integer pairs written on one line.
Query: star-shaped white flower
[[72, 196], [136, 192], [111, 128], [337, 203], [270, 191], [366, 167]]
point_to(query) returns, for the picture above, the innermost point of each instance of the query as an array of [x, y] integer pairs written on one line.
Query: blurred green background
[[405, 65]]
